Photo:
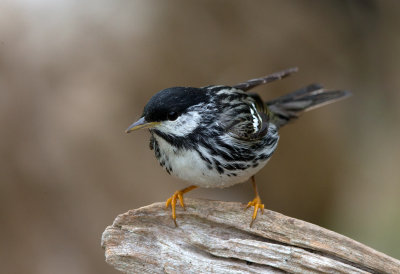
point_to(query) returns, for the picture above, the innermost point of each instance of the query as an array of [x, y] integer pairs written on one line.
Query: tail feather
[[290, 106]]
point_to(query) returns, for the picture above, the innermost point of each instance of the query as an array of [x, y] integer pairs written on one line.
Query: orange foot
[[257, 205], [172, 201]]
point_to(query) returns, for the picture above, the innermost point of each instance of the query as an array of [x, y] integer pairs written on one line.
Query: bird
[[217, 136]]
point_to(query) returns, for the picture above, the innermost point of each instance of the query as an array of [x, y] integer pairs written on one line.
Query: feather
[[290, 106], [245, 86]]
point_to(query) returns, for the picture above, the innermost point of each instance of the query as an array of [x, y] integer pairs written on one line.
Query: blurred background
[[75, 74]]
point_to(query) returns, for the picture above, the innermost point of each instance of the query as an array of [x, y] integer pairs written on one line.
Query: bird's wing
[[245, 86], [246, 120]]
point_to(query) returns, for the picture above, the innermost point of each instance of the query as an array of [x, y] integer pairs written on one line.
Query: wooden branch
[[215, 237]]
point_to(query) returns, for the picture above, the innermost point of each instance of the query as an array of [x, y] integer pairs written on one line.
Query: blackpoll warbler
[[218, 136]]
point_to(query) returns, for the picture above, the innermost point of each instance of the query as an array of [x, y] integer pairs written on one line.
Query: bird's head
[[174, 111]]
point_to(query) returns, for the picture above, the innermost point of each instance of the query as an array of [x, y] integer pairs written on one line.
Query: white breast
[[188, 166]]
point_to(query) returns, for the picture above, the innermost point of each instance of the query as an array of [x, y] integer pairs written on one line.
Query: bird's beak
[[141, 123]]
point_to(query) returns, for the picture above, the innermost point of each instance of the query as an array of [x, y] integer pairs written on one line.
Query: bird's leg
[[178, 195], [256, 202]]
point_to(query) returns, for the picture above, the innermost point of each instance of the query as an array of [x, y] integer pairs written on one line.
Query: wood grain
[[215, 237]]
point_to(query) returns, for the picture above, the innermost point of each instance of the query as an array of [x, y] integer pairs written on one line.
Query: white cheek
[[182, 126]]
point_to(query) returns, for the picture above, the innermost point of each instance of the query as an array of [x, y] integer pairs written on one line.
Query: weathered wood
[[215, 237]]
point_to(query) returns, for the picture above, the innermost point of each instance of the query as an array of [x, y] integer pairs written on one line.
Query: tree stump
[[215, 237]]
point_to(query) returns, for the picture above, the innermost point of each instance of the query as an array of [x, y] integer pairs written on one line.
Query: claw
[[172, 201], [257, 205], [178, 195]]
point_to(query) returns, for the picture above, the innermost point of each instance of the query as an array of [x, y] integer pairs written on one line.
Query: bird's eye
[[172, 116]]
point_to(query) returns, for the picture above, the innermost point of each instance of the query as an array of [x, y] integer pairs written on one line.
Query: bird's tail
[[290, 106]]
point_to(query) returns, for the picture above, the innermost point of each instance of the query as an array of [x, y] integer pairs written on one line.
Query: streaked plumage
[[218, 136], [225, 140]]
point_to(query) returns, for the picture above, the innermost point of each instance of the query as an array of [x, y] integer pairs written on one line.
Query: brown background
[[75, 74]]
